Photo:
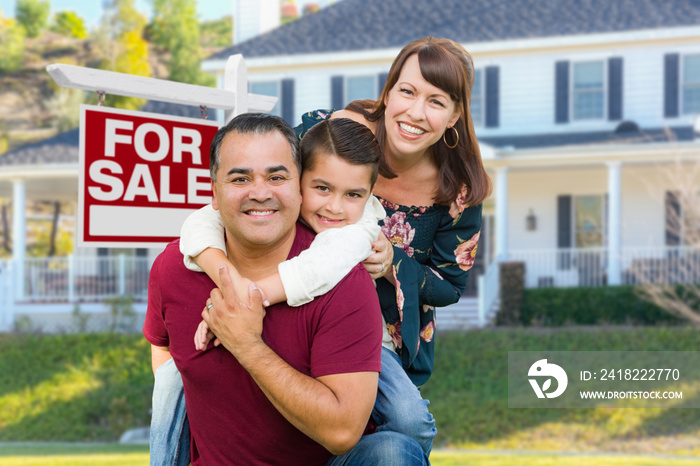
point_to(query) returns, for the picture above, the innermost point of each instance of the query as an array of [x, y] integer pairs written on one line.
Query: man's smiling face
[[257, 189]]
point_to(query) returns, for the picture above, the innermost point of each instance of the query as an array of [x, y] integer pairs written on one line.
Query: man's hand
[[236, 320]]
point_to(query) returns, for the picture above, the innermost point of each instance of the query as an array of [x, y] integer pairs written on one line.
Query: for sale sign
[[141, 175]]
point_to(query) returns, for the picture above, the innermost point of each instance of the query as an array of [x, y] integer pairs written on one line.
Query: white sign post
[[141, 174]]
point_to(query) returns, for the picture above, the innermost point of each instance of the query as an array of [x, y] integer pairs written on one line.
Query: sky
[[91, 10]]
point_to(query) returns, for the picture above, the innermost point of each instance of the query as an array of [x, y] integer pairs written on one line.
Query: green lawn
[[91, 388], [126, 455]]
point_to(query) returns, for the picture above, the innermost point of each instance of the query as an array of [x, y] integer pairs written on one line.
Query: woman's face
[[417, 113]]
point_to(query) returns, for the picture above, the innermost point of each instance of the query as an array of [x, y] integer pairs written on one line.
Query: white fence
[[80, 279], [588, 267]]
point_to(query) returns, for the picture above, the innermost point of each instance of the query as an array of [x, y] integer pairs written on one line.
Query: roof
[[623, 135], [64, 147], [356, 25]]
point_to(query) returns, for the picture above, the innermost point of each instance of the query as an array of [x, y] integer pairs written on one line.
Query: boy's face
[[334, 192]]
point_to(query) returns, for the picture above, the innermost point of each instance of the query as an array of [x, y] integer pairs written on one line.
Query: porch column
[[614, 214], [19, 233], [501, 207]]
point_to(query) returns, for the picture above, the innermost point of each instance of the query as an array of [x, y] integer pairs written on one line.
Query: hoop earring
[[456, 135]]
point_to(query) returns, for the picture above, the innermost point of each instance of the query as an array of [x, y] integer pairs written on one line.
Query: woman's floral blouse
[[434, 249]]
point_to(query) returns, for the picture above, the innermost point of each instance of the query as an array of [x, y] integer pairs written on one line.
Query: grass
[[90, 388], [468, 395], [127, 455], [112, 455]]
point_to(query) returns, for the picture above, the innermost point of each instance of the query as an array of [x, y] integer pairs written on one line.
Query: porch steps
[[462, 315]]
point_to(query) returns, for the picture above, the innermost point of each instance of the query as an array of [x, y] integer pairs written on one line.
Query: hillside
[[33, 107]]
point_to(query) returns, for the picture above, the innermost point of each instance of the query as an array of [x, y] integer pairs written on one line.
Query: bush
[[11, 44], [68, 23], [590, 306], [512, 292], [32, 15]]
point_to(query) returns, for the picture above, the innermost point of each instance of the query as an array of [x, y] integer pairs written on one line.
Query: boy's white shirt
[[315, 271]]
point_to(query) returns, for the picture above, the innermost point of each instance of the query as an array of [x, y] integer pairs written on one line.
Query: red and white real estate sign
[[141, 175]]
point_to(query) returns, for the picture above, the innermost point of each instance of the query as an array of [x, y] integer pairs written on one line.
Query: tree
[[121, 34], [672, 282], [33, 15], [176, 29], [216, 33], [11, 44], [68, 23]]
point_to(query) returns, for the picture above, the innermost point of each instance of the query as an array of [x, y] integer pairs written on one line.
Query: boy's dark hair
[[349, 140]]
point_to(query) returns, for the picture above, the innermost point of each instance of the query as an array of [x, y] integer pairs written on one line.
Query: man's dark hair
[[252, 123], [349, 140]]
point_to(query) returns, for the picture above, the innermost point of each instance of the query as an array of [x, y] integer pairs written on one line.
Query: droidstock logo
[[543, 369]]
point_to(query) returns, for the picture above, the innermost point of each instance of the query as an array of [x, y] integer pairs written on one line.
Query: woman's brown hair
[[446, 65]]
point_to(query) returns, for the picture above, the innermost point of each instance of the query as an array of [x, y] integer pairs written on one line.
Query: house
[[580, 109]]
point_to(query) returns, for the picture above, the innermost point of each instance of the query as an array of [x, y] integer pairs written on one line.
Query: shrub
[[590, 306], [32, 15], [512, 291], [68, 23], [11, 44]]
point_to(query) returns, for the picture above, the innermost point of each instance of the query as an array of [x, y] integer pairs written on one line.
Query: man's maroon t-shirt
[[231, 420]]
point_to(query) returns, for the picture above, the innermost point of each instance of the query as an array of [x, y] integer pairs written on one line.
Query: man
[[299, 385]]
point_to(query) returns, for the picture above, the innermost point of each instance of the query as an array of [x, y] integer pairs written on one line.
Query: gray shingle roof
[[63, 148], [355, 25]]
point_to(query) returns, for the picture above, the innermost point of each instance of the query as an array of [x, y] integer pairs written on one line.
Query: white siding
[[527, 84], [643, 196]]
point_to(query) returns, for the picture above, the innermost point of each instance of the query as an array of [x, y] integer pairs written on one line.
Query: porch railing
[[663, 266], [588, 267], [84, 279], [563, 267]]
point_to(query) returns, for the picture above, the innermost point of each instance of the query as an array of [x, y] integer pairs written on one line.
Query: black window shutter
[[671, 83], [673, 219], [561, 92], [615, 87], [381, 81], [141, 252], [287, 99], [337, 93], [492, 95], [564, 231]]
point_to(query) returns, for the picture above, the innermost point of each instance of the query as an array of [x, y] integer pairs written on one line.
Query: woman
[[431, 183]]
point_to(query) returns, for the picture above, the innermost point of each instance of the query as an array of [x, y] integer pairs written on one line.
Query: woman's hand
[[380, 263]]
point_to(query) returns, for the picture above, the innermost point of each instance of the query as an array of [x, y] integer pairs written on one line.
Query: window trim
[[278, 84], [603, 223], [605, 90], [346, 86], [482, 98], [682, 84]]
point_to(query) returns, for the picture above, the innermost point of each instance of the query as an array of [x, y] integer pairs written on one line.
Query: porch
[[51, 287], [44, 293]]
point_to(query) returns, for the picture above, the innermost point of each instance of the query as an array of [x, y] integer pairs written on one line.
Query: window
[[360, 87], [588, 218], [477, 102], [588, 91], [691, 84], [270, 88]]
